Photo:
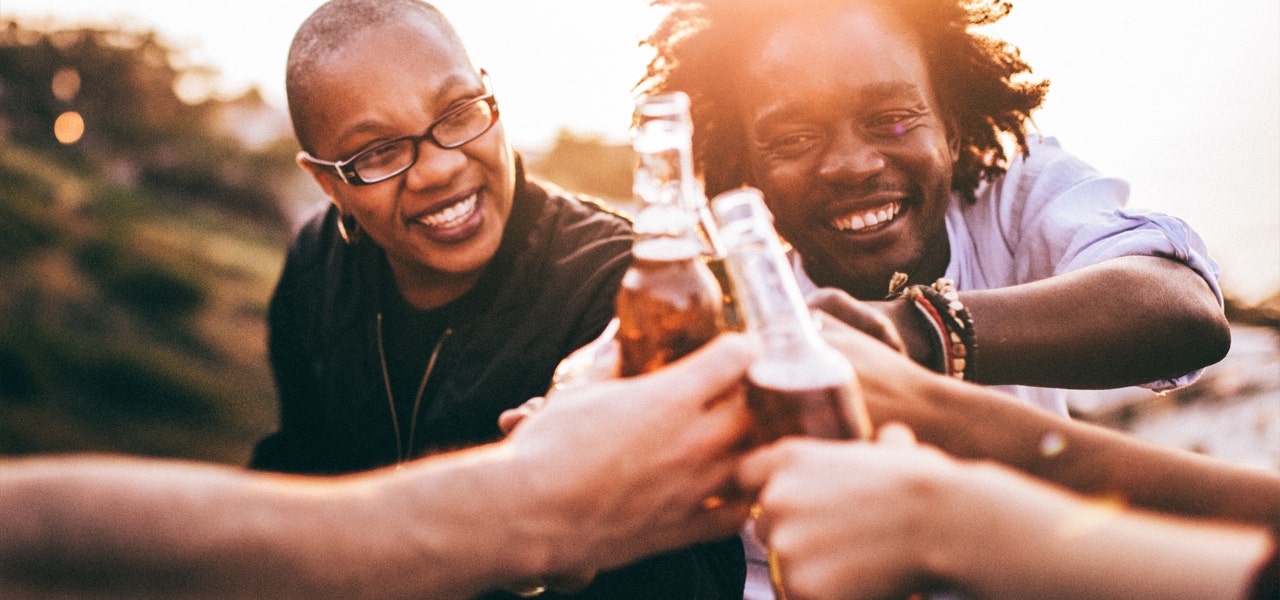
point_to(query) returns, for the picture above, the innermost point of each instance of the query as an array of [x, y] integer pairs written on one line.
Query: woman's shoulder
[[570, 220]]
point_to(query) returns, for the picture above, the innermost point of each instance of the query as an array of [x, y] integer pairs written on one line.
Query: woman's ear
[[322, 175]]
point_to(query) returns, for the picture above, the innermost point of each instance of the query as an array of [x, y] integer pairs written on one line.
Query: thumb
[[704, 374], [755, 469]]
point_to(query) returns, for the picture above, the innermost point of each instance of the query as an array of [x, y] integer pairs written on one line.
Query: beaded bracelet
[[950, 320]]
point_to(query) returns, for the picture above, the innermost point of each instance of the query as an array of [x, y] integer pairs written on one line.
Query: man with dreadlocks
[[890, 138]]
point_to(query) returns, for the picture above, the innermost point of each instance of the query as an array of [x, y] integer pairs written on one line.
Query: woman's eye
[[381, 155]]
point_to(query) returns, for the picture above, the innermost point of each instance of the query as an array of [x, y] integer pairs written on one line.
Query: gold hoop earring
[[350, 233]]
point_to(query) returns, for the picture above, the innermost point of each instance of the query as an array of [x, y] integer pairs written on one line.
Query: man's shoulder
[[1040, 173], [1045, 158]]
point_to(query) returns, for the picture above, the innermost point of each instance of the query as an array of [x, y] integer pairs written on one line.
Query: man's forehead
[[835, 37], [852, 52]]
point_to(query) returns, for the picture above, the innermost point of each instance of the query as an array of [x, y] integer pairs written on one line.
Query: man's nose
[[849, 158]]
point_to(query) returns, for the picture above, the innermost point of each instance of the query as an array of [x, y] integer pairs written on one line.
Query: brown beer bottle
[[798, 385], [669, 303]]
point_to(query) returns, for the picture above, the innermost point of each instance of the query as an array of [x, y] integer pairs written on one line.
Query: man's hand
[[625, 468]]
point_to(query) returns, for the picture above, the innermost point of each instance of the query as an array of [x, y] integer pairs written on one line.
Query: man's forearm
[[1125, 321], [1045, 543], [114, 527], [975, 422]]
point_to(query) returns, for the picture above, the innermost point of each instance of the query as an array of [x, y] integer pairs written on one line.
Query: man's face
[[849, 147], [446, 214]]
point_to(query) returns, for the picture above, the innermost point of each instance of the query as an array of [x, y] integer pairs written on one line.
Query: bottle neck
[[765, 287], [776, 313]]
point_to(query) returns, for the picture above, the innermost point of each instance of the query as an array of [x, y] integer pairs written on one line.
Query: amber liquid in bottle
[[782, 406], [669, 305]]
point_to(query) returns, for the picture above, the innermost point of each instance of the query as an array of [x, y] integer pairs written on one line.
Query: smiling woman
[[466, 285]]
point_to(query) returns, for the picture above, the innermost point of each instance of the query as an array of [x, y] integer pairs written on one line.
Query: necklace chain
[[403, 452]]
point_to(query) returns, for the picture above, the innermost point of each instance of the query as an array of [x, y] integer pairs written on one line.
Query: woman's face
[[444, 216]]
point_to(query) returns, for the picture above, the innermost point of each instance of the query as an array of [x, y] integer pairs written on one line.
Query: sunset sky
[[1180, 98]]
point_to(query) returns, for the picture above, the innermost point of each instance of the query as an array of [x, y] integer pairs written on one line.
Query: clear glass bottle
[[669, 303], [798, 384]]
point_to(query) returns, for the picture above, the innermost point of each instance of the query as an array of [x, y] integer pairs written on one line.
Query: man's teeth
[[451, 216], [863, 220]]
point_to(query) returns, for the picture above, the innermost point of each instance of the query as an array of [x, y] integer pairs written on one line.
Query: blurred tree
[[138, 130], [139, 253], [590, 165]]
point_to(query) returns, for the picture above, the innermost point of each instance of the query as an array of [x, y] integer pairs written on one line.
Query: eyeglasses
[[388, 159]]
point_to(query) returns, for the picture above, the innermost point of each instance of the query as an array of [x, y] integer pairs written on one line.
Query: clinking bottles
[[670, 302], [798, 384]]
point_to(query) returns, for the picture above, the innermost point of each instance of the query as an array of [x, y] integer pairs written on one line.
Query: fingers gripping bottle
[[798, 385]]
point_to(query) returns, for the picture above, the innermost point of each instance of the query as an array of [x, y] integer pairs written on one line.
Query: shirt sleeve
[[1071, 217]]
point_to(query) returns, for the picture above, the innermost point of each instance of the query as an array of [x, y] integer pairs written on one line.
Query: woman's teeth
[[452, 215], [869, 218]]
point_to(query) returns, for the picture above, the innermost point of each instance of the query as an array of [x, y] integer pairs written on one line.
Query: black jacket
[[549, 290]]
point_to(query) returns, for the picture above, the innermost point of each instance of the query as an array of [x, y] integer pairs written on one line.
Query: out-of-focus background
[[148, 191]]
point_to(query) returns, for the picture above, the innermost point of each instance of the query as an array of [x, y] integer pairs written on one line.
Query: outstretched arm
[[975, 422], [908, 518], [1125, 321], [597, 479]]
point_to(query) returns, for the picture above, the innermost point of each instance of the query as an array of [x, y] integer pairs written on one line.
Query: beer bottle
[[669, 303], [798, 385]]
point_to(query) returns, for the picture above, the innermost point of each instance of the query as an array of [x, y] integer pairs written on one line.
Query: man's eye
[[790, 144], [894, 124]]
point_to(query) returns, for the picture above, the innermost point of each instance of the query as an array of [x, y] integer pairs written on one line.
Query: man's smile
[[866, 219]]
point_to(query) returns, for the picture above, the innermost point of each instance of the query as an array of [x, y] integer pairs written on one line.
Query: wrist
[[949, 321], [942, 547], [918, 335], [472, 517]]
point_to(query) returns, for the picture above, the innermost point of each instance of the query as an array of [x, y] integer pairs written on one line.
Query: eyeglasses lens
[[453, 130]]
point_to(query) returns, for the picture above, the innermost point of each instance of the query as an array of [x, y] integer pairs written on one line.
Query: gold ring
[[529, 589]]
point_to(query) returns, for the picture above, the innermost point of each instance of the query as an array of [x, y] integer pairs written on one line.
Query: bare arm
[[975, 422], [595, 480], [136, 528], [908, 518], [1125, 321], [1061, 545]]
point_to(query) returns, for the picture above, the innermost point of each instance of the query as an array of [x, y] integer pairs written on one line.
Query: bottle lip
[[741, 208], [729, 202], [663, 104]]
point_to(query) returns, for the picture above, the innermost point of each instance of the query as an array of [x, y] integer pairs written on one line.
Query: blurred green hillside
[[138, 257]]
